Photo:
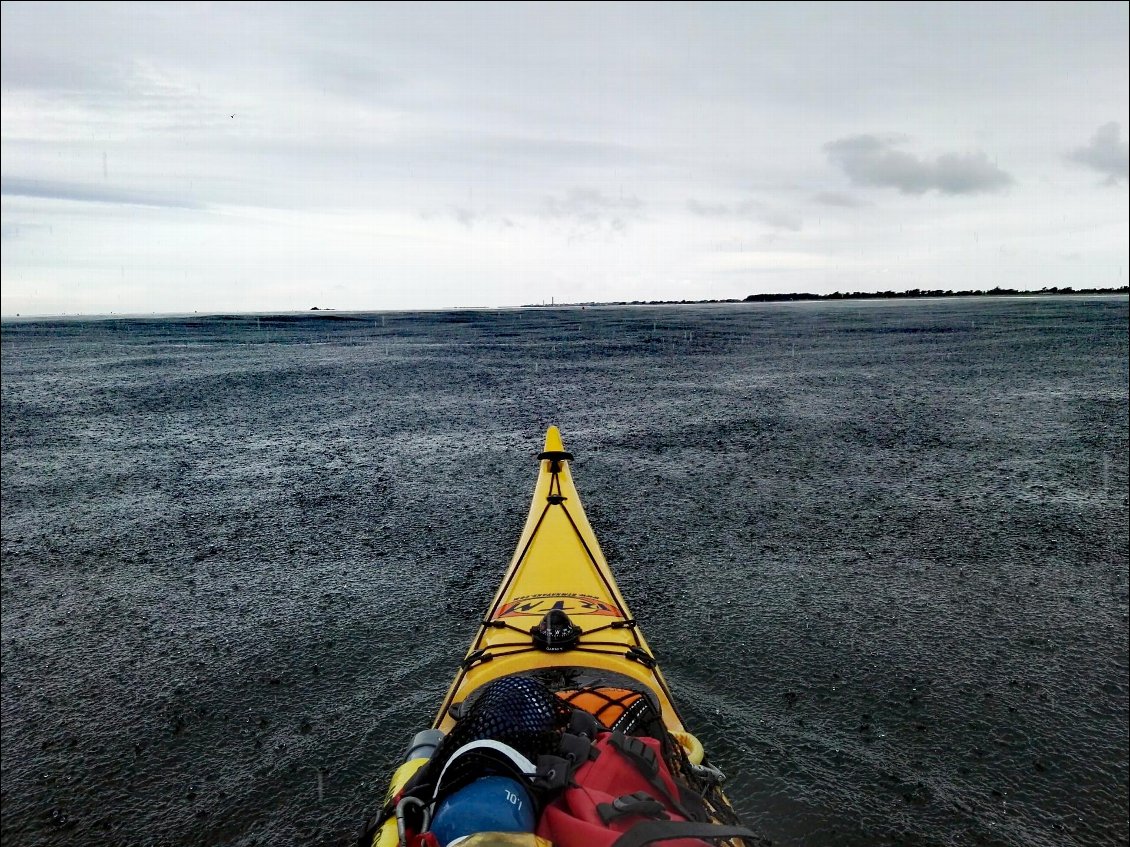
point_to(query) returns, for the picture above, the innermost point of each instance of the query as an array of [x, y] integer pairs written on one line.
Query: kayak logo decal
[[536, 605]]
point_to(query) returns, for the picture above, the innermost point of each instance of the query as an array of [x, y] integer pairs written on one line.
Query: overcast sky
[[179, 157]]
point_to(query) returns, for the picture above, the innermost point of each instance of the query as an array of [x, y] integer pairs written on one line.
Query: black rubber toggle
[[641, 656], [639, 803], [555, 456], [555, 499], [477, 657]]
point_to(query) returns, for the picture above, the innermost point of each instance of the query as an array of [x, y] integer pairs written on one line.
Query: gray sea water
[[880, 549]]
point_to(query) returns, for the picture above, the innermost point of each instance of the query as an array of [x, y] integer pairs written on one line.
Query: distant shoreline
[[344, 314], [837, 295]]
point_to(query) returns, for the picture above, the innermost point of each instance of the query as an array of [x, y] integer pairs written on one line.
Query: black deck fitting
[[555, 458]]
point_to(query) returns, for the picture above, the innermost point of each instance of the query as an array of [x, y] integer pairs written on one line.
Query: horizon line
[[751, 299]]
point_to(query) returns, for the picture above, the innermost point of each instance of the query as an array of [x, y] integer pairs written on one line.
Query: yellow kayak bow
[[558, 566], [558, 610]]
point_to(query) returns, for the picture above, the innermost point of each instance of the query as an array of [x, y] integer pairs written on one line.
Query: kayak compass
[[556, 633]]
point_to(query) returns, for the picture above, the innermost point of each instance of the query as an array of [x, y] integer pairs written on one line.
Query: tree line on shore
[[937, 292], [856, 295]]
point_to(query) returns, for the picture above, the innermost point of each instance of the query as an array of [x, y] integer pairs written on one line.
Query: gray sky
[[178, 157]]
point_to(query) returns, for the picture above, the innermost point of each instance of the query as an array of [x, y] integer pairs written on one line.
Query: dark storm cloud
[[746, 210], [873, 160], [1106, 154], [85, 193]]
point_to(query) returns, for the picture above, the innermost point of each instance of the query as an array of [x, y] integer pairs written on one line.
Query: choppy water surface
[[880, 549]]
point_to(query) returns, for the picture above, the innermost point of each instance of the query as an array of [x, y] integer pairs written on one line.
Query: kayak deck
[[558, 640], [558, 566]]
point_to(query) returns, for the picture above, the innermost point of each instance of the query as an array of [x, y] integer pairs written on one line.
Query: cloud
[[86, 193], [1105, 153], [464, 215], [746, 210], [590, 210], [871, 160], [838, 198], [710, 210]]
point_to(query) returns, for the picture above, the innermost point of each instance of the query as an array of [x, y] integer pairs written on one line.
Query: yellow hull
[[558, 564]]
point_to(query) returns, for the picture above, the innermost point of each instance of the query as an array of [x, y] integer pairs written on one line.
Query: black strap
[[645, 761], [576, 749], [639, 803], [554, 773], [640, 755], [648, 832], [583, 723], [630, 715]]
